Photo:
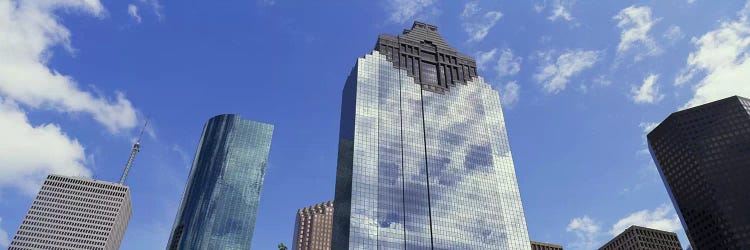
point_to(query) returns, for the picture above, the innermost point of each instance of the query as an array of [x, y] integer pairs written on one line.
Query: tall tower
[[312, 228], [221, 196], [703, 157], [78, 213], [75, 213], [424, 160]]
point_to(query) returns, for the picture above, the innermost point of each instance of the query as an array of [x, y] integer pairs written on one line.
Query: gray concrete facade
[[75, 213]]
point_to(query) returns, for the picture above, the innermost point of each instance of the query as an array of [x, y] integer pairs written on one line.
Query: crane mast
[[136, 149]]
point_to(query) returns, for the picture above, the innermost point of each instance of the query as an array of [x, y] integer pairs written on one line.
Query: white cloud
[[405, 10], [648, 92], [30, 29], [648, 126], [636, 22], [510, 94], [4, 240], [133, 12], [478, 28], [158, 8], [721, 58], [184, 156], [674, 34], [555, 74], [20, 163], [483, 57], [650, 168], [560, 10], [661, 218], [539, 7], [602, 80], [266, 2], [586, 230], [470, 9], [507, 64]]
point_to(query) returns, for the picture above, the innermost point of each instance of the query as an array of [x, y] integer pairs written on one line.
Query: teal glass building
[[424, 159], [220, 202]]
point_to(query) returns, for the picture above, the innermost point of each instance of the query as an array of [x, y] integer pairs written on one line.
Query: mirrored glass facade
[[221, 197], [703, 157], [424, 163]]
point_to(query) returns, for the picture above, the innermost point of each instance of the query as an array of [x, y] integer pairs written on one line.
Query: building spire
[[136, 149]]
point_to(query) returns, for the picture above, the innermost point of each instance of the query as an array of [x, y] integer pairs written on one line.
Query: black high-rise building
[[703, 157]]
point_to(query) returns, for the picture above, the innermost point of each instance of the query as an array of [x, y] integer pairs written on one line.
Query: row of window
[[31, 224], [19, 245], [87, 183], [76, 221], [44, 232], [84, 188], [75, 203], [81, 198], [73, 208], [64, 191], [55, 239], [76, 215]]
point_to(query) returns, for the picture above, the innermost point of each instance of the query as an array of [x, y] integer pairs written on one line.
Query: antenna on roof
[[136, 149]]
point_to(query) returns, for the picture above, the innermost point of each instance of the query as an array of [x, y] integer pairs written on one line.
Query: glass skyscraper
[[424, 160], [220, 202], [703, 157]]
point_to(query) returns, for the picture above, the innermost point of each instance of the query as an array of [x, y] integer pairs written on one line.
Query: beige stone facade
[[75, 213]]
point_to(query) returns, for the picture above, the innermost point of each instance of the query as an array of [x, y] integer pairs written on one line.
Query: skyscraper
[[75, 213], [424, 160], [643, 238], [221, 197], [703, 157], [312, 228]]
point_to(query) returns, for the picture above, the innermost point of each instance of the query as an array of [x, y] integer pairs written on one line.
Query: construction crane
[[136, 149]]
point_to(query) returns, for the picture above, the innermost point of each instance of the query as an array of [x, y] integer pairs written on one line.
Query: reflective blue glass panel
[[423, 170], [221, 197]]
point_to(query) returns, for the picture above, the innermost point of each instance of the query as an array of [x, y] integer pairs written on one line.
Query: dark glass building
[[221, 197], [424, 160], [643, 238], [703, 157]]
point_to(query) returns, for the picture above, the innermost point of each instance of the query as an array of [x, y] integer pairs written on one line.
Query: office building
[[312, 229], [221, 197], [75, 213], [703, 157], [544, 246], [424, 160], [642, 238]]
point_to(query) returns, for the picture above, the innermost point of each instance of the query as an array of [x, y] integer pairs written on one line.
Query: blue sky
[[581, 83]]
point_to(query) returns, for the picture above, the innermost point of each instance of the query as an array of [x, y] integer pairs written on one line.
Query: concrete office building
[[75, 213], [221, 196], [703, 157], [312, 228], [544, 246], [642, 238], [424, 160]]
